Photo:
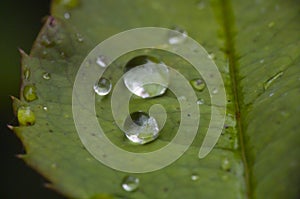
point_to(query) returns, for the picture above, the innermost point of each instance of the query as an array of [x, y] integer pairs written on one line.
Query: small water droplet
[[103, 86], [45, 108], [29, 93], [62, 54], [140, 128], [200, 101], [146, 76], [270, 81], [271, 24], [46, 41], [130, 183], [68, 3], [194, 177], [198, 84], [271, 94], [262, 61], [177, 37], [226, 165], [46, 76], [211, 56], [182, 98], [26, 116], [79, 37], [101, 61], [67, 15], [26, 73], [215, 91]]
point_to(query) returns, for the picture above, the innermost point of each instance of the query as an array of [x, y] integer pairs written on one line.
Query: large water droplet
[[270, 81], [46, 76], [130, 183], [198, 84], [177, 37], [101, 61], [226, 165], [141, 128], [25, 116], [103, 86], [146, 76], [29, 93]]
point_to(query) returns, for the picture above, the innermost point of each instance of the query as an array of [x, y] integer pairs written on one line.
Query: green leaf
[[256, 47]]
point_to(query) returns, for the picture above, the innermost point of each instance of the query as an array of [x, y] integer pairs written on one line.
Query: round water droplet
[[26, 73], [101, 61], [130, 183], [25, 116], [201, 4], [46, 76], [146, 76], [140, 128], [194, 177], [103, 86], [200, 101], [45, 108], [211, 56], [226, 165], [198, 84], [29, 93], [177, 37], [67, 15]]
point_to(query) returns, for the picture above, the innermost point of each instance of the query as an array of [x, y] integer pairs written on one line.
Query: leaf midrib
[[227, 24]]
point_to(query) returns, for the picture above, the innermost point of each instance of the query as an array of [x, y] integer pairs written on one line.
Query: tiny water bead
[[146, 76], [67, 15], [26, 73], [130, 183], [225, 165], [25, 116], [101, 61], [198, 84], [194, 177], [140, 128], [102, 87], [46, 76], [29, 93], [177, 37], [200, 101], [79, 38]]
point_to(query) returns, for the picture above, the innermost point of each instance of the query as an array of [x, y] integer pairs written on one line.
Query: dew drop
[[211, 56], [45, 108], [262, 61], [67, 15], [26, 116], [215, 91], [146, 76], [29, 93], [46, 76], [45, 41], [200, 101], [270, 81], [140, 128], [101, 61], [102, 87], [194, 177], [225, 165], [68, 3], [130, 183], [198, 84], [26, 73], [177, 37], [79, 38]]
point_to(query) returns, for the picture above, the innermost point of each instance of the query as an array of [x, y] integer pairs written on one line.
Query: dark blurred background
[[20, 22]]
